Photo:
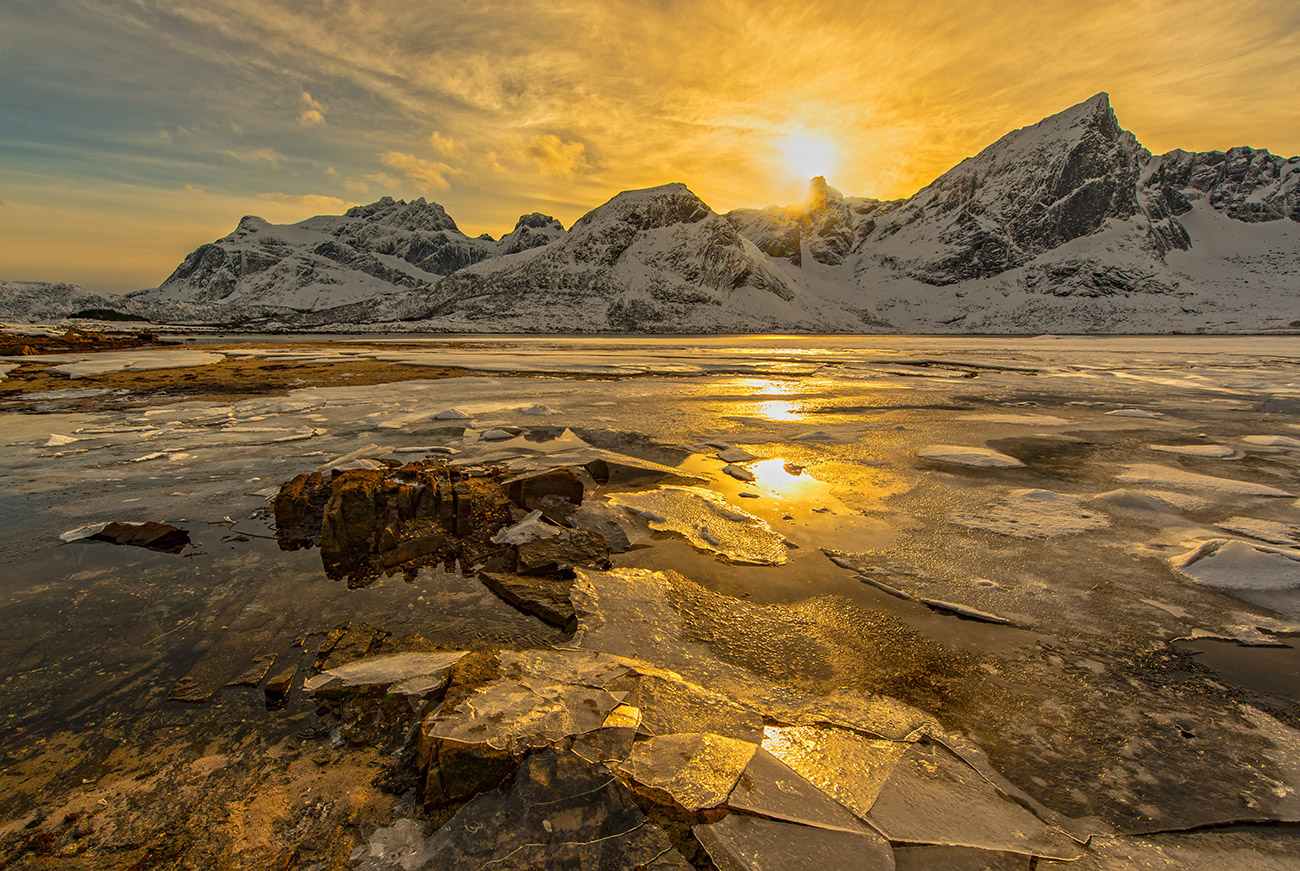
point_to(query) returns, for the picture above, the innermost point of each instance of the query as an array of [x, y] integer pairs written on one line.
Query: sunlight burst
[[807, 154]]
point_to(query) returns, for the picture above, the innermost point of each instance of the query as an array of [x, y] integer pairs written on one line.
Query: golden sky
[[135, 130]]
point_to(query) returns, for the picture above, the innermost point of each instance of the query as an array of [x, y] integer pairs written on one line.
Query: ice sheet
[[961, 455], [1031, 513], [698, 769], [709, 522], [741, 843], [1166, 476], [1236, 565]]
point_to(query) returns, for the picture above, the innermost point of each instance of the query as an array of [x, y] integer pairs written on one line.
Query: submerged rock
[[547, 598]]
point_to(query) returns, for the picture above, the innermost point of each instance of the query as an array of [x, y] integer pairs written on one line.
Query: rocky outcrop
[[829, 226], [1246, 184]]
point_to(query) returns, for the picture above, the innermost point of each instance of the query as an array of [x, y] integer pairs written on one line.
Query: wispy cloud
[[556, 158], [427, 175], [255, 155], [323, 205], [312, 112]]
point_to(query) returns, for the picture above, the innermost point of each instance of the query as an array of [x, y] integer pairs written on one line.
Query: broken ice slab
[[933, 857], [846, 766], [1166, 476], [451, 414], [933, 797], [382, 671], [531, 528], [517, 714], [667, 706], [1148, 500], [583, 667], [607, 745], [1272, 531], [606, 521], [735, 455], [961, 455], [770, 788], [1229, 564], [1136, 412], [1272, 441], [664, 620], [966, 611], [559, 812], [697, 769], [709, 522], [1033, 513], [85, 365], [1225, 850], [743, 843]]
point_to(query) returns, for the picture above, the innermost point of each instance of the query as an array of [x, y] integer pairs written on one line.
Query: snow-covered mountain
[[656, 260], [328, 262], [1068, 225], [37, 301]]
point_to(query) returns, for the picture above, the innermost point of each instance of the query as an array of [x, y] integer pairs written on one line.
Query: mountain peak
[[643, 209]]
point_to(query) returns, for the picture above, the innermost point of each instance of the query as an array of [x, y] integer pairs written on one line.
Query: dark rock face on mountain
[[1246, 184], [1027, 193], [831, 226]]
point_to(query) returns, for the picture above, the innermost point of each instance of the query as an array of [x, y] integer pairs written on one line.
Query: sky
[[132, 131]]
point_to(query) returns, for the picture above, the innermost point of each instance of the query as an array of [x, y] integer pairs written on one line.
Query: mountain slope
[[331, 261], [649, 260], [35, 301]]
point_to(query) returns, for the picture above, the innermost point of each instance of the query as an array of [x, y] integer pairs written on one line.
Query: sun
[[807, 155]]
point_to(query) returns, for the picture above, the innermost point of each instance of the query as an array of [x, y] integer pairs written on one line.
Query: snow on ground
[[1272, 441], [1030, 513], [1166, 476], [961, 455], [1235, 565], [83, 365], [1272, 531]]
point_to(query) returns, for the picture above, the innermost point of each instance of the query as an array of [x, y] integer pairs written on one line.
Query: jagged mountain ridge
[[1066, 225], [326, 262]]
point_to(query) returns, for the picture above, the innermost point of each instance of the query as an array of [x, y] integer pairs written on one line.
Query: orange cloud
[[428, 175]]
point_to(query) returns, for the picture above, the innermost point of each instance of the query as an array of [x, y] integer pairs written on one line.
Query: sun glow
[[807, 154]]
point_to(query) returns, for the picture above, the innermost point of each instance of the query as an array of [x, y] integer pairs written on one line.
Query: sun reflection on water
[[786, 480]]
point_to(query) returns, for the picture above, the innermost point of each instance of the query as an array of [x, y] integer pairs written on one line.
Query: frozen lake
[[1072, 563]]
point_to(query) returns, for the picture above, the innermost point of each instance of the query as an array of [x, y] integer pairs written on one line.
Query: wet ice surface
[[766, 679]]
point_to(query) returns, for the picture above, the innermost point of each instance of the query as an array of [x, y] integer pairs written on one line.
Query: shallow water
[[1082, 698]]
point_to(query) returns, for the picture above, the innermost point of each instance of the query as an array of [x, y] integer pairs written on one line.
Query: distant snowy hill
[[35, 301], [1068, 225]]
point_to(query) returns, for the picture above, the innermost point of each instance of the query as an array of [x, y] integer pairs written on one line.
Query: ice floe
[[1272, 531], [1031, 513], [85, 365], [962, 455], [1166, 476], [1230, 564], [709, 522], [1272, 441]]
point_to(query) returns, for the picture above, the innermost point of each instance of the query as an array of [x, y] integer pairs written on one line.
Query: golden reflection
[[786, 480], [778, 410]]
